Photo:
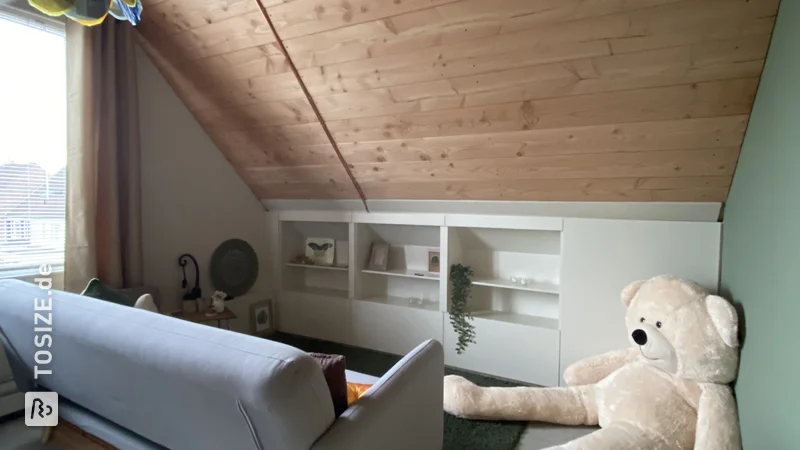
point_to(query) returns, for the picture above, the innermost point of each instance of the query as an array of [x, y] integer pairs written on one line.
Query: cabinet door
[[508, 350], [600, 257], [393, 329], [319, 317]]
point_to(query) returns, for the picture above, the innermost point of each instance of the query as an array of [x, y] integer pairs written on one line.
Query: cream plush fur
[[669, 391]]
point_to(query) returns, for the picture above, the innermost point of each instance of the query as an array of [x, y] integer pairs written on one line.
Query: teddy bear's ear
[[725, 320], [630, 291]]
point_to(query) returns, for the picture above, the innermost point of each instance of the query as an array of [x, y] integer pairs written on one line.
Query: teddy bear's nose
[[639, 336]]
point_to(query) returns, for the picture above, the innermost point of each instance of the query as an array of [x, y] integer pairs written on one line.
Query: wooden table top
[[202, 317]]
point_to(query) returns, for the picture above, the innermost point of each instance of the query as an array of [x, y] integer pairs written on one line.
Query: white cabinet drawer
[[314, 316], [391, 328], [507, 350]]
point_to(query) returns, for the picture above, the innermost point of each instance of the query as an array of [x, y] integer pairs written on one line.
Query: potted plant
[[461, 280]]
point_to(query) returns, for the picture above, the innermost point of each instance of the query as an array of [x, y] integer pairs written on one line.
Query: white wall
[[192, 199], [600, 257]]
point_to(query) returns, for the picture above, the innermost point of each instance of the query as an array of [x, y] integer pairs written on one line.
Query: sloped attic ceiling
[[564, 100]]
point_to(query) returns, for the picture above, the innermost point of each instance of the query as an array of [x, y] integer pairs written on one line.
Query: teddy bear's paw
[[461, 397]]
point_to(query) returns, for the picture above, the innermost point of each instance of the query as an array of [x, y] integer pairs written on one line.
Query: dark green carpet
[[459, 434]]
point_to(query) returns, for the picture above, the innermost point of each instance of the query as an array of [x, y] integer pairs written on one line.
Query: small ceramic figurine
[[218, 301]]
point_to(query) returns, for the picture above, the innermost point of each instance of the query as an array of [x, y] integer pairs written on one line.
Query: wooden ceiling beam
[[311, 102]]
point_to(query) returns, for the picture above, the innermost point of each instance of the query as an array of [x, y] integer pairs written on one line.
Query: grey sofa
[[11, 400], [141, 380]]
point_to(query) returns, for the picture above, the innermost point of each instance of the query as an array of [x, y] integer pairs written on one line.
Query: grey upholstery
[[176, 383], [403, 410], [144, 380], [11, 400]]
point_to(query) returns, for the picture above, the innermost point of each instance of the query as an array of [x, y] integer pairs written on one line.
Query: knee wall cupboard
[[545, 290]]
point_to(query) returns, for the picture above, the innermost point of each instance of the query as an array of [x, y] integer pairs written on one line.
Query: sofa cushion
[[97, 289], [355, 391], [333, 367], [146, 303]]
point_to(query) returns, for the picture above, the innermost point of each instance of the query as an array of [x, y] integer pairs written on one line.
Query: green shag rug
[[459, 434]]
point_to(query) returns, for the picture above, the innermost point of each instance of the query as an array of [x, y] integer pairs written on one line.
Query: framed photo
[[261, 319], [379, 257], [320, 250], [433, 261]]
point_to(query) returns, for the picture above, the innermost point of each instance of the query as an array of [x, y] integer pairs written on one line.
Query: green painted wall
[[761, 248]]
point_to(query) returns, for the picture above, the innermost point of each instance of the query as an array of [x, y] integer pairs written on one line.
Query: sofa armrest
[[403, 410]]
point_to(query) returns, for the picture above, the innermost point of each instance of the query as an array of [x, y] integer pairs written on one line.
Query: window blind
[[21, 12], [32, 217]]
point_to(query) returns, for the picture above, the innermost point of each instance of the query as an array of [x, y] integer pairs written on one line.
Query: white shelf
[[403, 302], [519, 319], [418, 274], [310, 266], [506, 284], [321, 292]]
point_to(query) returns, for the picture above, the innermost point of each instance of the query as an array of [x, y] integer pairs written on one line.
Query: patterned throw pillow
[[333, 367]]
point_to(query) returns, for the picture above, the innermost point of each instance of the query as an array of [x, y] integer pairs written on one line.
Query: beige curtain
[[103, 162]]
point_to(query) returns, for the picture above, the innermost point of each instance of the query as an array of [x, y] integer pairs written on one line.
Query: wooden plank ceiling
[[563, 100]]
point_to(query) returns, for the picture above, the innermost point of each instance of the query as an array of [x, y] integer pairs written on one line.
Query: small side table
[[201, 317]]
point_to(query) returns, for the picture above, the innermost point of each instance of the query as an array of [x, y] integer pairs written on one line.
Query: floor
[[14, 435], [543, 435]]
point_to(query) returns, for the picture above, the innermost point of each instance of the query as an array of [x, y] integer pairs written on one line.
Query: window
[[33, 143]]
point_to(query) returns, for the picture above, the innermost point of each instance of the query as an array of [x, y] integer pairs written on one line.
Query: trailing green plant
[[461, 279]]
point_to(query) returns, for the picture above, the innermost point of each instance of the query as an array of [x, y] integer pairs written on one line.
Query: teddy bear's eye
[[641, 320], [658, 324]]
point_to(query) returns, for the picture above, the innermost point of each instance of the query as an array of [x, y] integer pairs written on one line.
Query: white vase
[[219, 305]]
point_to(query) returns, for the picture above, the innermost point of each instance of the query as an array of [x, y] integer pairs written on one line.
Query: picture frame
[[433, 261], [379, 257], [321, 250], [262, 320]]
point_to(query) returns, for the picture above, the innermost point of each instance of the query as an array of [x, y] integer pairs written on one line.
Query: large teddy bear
[[668, 391]]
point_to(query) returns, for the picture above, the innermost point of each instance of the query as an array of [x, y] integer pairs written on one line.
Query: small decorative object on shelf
[[461, 279], [320, 250], [379, 257], [433, 261], [520, 281], [416, 300], [302, 259]]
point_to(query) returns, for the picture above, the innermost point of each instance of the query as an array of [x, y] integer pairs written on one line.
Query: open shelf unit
[[418, 274], [406, 280], [404, 302], [318, 280], [317, 266], [396, 308], [500, 258], [546, 288]]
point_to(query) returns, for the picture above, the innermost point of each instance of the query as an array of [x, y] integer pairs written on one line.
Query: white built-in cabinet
[[567, 309]]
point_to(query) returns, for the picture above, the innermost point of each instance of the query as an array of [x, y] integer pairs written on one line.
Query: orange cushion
[[355, 391]]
